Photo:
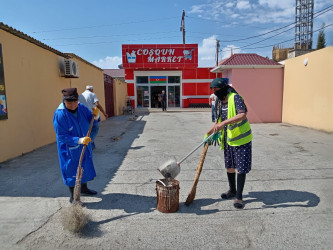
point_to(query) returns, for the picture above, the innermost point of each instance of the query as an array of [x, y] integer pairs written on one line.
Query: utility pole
[[217, 52], [182, 26]]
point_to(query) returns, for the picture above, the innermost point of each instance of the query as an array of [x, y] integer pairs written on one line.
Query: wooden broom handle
[[199, 168], [79, 171]]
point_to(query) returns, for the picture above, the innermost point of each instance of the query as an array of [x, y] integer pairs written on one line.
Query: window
[[173, 79], [142, 79]]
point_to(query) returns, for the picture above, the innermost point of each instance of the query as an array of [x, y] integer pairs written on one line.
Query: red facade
[[175, 61]]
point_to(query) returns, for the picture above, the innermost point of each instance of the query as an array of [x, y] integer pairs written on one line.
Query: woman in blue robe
[[71, 123]]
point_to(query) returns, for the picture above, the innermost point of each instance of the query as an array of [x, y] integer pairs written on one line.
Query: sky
[[95, 30]]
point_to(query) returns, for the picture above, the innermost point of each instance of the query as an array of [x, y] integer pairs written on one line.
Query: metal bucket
[[167, 196]]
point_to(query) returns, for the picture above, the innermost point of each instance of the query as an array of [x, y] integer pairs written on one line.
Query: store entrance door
[[155, 91], [173, 96]]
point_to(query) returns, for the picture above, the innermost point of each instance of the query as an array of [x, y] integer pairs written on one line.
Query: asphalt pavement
[[288, 194]]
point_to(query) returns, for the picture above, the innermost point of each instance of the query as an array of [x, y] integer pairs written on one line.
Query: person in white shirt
[[89, 99], [212, 100]]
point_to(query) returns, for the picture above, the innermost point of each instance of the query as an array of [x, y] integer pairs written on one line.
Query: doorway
[[154, 93]]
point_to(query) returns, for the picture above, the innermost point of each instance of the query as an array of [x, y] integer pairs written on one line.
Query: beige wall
[[120, 96], [308, 90], [33, 91]]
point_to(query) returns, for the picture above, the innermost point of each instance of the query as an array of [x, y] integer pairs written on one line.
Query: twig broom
[[191, 195], [74, 218]]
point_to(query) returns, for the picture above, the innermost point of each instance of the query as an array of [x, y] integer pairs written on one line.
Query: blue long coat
[[69, 129]]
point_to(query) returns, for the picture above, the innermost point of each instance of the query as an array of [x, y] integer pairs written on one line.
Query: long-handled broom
[[74, 218], [79, 172], [191, 195]]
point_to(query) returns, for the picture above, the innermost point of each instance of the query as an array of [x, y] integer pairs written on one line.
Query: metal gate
[[109, 98]]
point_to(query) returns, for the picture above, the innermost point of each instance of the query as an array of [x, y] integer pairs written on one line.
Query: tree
[[321, 43]]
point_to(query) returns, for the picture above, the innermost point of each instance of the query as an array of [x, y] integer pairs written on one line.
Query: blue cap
[[219, 83]]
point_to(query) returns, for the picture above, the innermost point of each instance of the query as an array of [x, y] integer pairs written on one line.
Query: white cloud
[[226, 51], [281, 4], [243, 5], [196, 9], [234, 15], [229, 5], [207, 52], [262, 11], [109, 62]]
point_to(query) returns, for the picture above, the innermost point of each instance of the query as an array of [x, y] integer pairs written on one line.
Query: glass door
[[173, 96], [142, 96]]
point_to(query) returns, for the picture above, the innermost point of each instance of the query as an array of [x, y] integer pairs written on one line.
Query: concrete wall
[[308, 90], [262, 91], [120, 96], [33, 90]]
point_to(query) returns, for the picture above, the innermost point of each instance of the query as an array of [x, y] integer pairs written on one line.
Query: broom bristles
[[191, 195], [74, 218]]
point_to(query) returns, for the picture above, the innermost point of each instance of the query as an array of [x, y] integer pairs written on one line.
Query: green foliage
[[321, 43]]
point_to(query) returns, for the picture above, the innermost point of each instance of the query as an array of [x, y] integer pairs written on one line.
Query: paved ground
[[288, 194]]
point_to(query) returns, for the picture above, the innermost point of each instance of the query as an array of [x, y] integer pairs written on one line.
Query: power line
[[321, 12], [279, 42], [215, 21], [103, 25], [164, 19], [329, 8], [120, 41], [83, 37]]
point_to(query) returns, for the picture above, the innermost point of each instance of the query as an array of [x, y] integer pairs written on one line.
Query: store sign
[[160, 56], [3, 103]]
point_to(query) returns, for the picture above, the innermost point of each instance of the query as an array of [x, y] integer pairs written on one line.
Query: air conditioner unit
[[71, 68]]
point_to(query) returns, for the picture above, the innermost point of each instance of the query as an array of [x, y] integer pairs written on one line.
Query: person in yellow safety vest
[[233, 134]]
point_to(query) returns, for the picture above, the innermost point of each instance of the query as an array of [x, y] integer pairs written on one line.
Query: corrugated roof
[[30, 39], [221, 62], [115, 72], [247, 59], [40, 44]]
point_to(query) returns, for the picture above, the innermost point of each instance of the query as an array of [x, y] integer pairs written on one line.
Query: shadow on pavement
[[130, 203], [196, 207], [284, 198], [138, 204], [37, 173]]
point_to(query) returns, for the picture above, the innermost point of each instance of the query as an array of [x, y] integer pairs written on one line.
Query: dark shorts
[[239, 157]]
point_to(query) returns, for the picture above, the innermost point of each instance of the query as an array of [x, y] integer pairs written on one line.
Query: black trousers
[[163, 105]]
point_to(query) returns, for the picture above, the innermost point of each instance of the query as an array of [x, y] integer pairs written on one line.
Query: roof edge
[[225, 67], [30, 39], [34, 41], [72, 55]]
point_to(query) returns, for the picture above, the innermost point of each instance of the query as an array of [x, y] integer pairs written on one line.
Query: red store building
[[151, 68]]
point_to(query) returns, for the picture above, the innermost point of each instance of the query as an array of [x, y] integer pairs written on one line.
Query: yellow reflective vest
[[238, 133]]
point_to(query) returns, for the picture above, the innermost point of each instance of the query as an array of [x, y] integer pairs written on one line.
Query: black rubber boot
[[232, 187], [240, 186], [86, 190], [71, 190]]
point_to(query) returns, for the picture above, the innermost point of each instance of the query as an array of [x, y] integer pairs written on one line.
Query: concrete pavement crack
[[48, 219]]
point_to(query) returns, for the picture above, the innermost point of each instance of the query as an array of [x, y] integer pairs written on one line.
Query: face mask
[[222, 93]]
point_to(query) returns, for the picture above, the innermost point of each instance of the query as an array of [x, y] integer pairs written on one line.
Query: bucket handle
[[161, 182]]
